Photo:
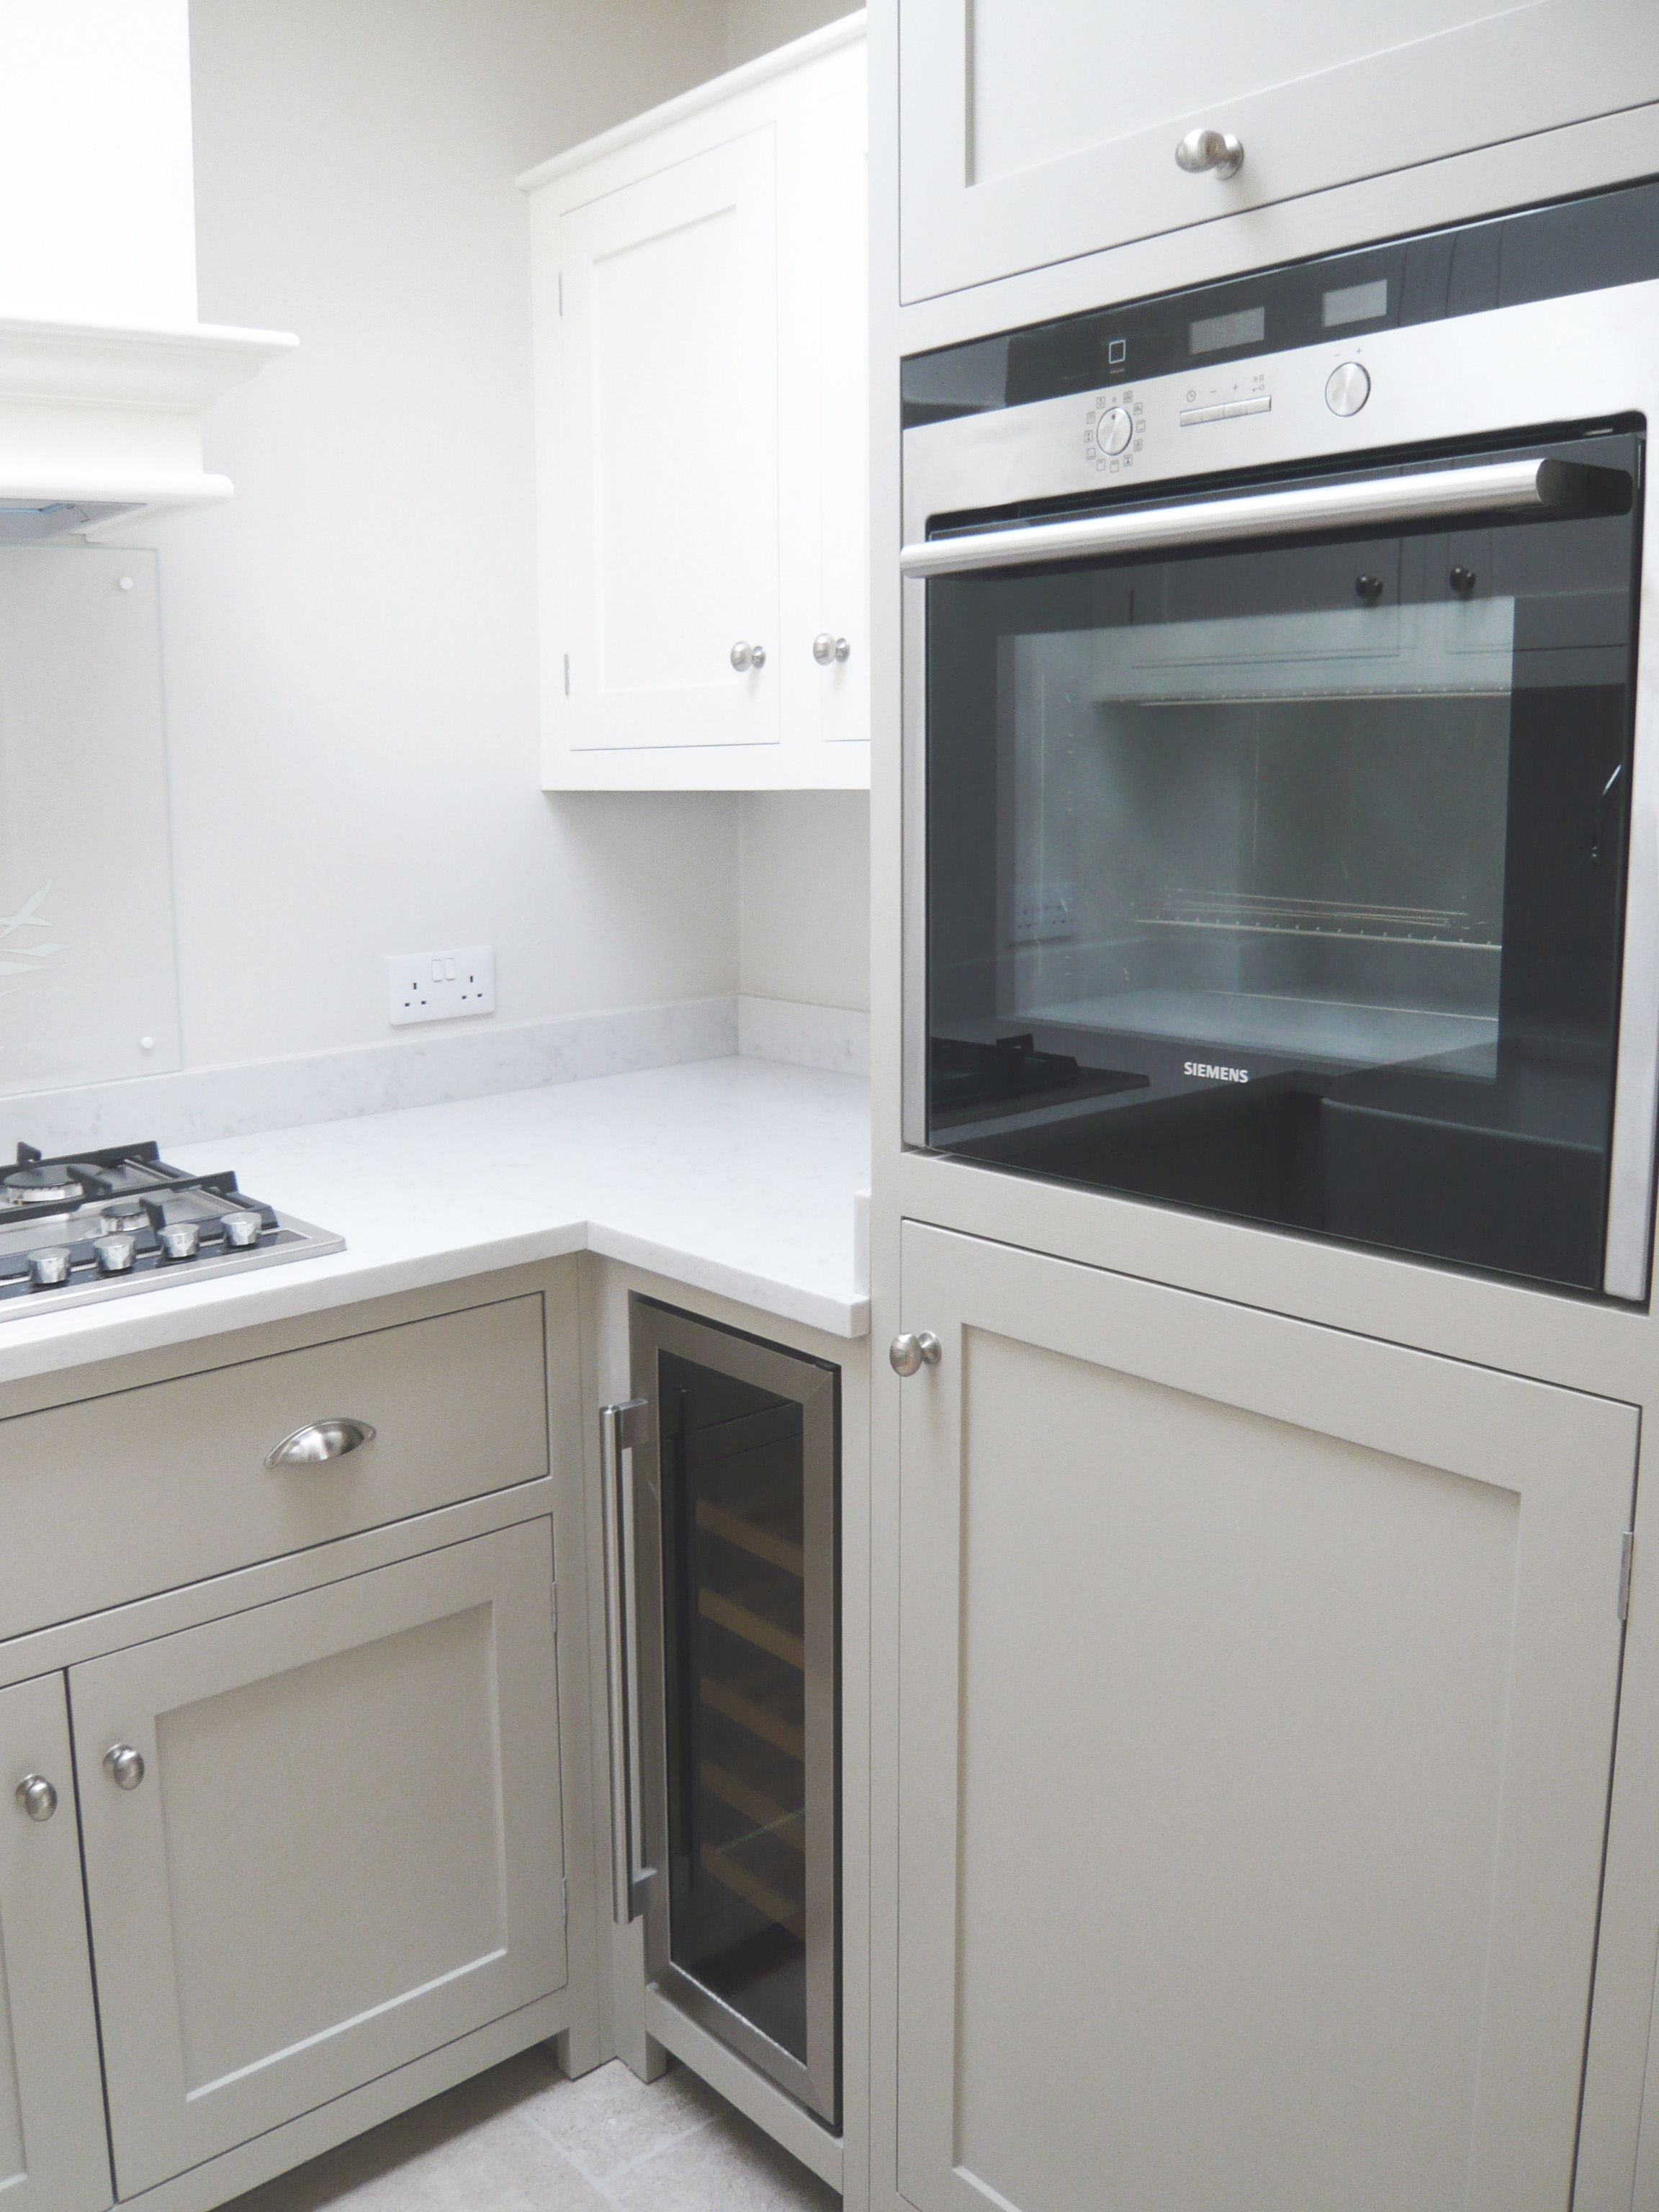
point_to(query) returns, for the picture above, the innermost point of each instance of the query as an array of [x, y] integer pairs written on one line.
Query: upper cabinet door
[[663, 478], [322, 1839], [1256, 1708], [52, 2145], [824, 422], [1035, 129]]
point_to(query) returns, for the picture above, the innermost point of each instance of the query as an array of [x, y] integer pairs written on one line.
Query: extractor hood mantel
[[101, 425]]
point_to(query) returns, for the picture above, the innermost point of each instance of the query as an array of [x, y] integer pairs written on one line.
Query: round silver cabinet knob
[[909, 1353], [242, 1228], [1347, 388], [37, 1797], [49, 1267], [124, 1766], [745, 656], [1211, 152], [180, 1239], [115, 1252], [826, 648]]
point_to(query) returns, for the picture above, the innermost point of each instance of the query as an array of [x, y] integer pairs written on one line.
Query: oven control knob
[[50, 1266], [1114, 430], [1347, 388]]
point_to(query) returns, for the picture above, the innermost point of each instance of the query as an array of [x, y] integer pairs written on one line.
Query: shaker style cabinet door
[[322, 1839], [664, 473], [1256, 1711], [53, 2155], [1032, 131], [824, 427]]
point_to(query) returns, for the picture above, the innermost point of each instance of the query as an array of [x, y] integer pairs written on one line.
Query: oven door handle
[[1488, 487]]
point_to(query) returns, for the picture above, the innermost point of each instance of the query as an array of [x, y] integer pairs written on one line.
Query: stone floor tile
[[609, 2120], [726, 2166]]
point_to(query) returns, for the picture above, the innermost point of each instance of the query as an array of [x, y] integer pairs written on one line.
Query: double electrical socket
[[438, 987]]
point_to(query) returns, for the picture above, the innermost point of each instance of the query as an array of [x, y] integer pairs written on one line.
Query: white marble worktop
[[734, 1176]]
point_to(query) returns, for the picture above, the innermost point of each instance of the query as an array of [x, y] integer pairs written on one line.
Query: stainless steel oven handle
[[620, 1427], [1496, 487]]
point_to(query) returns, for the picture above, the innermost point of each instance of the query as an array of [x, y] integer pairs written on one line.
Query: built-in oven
[[1281, 820]]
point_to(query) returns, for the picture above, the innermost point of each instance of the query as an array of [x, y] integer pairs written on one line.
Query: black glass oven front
[[1285, 879]]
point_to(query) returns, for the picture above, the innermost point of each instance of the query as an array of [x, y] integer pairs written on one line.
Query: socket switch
[[439, 987]]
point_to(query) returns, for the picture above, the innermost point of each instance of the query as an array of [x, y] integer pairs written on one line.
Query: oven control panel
[[1115, 430]]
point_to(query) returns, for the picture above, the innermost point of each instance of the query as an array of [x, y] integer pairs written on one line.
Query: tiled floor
[[524, 2139]]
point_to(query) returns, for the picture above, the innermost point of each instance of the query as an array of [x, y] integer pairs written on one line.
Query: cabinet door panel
[[664, 480], [825, 423], [1256, 1718], [344, 1851], [54, 2155], [1033, 133]]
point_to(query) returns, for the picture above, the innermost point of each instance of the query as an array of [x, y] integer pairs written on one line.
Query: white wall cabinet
[[52, 2152], [1257, 1694], [1033, 130], [343, 1848], [701, 324]]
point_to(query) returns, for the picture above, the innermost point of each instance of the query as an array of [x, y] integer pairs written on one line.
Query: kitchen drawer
[[144, 1490]]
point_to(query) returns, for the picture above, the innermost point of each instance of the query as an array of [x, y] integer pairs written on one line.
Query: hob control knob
[[1114, 430], [180, 1239], [50, 1266], [1347, 388], [242, 1229], [115, 1253]]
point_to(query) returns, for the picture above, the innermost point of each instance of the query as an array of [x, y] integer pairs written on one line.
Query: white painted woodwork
[[667, 464], [1034, 131], [458, 1402], [52, 2148], [701, 334], [345, 1852], [1257, 1690]]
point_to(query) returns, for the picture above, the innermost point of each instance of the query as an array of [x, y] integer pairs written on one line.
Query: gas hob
[[102, 1224]]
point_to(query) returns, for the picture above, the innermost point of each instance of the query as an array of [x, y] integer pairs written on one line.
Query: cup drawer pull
[[321, 1440]]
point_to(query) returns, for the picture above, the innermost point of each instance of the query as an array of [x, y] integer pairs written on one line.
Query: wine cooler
[[722, 1515]]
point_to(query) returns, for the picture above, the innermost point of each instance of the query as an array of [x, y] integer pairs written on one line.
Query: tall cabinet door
[[52, 2145], [1256, 1713], [322, 1839], [664, 480], [1035, 129]]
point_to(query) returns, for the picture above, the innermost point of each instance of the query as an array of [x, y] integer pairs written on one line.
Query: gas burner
[[107, 1223], [48, 1182]]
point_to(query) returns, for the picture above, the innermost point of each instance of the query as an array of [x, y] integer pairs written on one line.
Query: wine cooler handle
[[620, 1427]]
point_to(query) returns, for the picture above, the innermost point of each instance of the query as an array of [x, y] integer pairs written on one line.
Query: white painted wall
[[805, 877], [94, 162], [350, 644], [756, 27]]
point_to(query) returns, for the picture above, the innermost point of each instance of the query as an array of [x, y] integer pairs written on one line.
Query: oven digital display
[[1246, 326], [1354, 303]]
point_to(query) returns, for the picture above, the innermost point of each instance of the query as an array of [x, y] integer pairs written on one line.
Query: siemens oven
[[1280, 828]]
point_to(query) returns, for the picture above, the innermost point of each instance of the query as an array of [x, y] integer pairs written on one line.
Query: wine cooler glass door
[[736, 1521]]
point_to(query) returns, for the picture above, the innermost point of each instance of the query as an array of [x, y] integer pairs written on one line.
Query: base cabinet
[[322, 1837], [1257, 1695], [54, 2155]]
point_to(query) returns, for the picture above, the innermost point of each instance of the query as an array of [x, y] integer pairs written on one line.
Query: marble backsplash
[[204, 1104]]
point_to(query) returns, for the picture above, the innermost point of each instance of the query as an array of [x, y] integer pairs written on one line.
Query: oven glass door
[[1283, 875]]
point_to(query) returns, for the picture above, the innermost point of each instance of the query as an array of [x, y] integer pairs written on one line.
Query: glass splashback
[[1286, 880], [88, 987]]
